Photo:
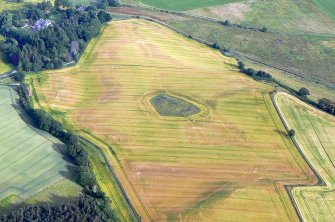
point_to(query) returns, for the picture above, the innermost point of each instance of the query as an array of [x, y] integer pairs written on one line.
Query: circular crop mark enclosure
[[168, 105]]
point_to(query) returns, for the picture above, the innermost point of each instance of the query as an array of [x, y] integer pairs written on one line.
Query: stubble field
[[232, 157]]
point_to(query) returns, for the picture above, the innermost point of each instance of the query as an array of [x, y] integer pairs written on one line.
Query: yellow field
[[233, 157], [314, 133]]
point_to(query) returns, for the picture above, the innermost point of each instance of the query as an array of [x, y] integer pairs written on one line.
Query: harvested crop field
[[206, 167], [314, 130], [30, 159]]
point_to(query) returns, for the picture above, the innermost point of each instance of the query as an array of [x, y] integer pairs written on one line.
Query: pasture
[[327, 5], [207, 167], [177, 5], [314, 130], [30, 159]]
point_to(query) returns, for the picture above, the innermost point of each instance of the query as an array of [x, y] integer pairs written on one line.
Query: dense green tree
[[114, 3], [19, 76], [264, 29], [303, 92], [104, 16], [227, 23], [291, 133]]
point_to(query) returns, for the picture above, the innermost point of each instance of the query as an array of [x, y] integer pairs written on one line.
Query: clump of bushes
[[257, 75], [227, 23], [264, 29], [303, 92], [326, 105]]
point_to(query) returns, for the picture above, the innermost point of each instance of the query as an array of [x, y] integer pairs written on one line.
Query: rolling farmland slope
[[314, 131], [30, 159], [209, 166]]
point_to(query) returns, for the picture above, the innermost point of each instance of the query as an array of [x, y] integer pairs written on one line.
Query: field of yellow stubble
[[229, 164]]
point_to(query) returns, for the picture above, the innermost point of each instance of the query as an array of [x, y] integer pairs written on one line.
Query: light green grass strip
[[178, 5]]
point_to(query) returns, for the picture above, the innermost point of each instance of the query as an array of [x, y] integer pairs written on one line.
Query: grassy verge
[[108, 183]]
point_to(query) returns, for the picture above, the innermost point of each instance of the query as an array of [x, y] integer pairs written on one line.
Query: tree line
[[61, 37], [85, 208]]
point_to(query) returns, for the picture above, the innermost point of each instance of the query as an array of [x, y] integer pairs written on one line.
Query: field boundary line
[[320, 183], [100, 155], [111, 169]]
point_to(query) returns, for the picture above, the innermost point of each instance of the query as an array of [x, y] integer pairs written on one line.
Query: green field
[[327, 5], [178, 5], [314, 134], [30, 159], [205, 167]]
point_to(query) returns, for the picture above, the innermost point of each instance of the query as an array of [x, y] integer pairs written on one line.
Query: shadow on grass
[[55, 200], [280, 132]]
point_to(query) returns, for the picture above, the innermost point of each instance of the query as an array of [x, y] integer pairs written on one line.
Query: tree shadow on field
[[54, 200], [280, 132], [71, 171], [22, 113]]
